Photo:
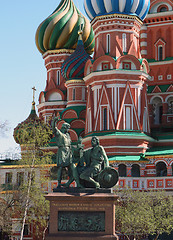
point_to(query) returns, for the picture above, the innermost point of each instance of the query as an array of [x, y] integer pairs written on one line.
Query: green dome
[[60, 29], [32, 130]]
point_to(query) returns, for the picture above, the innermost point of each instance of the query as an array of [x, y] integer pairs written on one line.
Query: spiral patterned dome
[[95, 8], [73, 66], [60, 29]]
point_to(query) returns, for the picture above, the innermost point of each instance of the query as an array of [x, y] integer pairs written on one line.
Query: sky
[[21, 64]]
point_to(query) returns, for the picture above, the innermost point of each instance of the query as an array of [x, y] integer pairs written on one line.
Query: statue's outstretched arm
[[54, 128]]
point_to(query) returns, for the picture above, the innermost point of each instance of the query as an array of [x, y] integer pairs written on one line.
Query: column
[[169, 171]]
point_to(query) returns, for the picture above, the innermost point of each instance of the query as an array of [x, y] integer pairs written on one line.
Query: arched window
[[108, 43], [157, 110], [135, 171], [124, 41], [170, 105], [122, 170], [163, 9], [161, 169]]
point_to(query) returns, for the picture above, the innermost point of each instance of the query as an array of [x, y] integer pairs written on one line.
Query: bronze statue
[[89, 168], [64, 154], [96, 160]]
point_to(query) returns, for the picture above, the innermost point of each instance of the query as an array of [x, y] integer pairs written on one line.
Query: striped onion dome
[[60, 29], [73, 66], [95, 8]]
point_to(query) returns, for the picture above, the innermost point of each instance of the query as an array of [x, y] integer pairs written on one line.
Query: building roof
[[130, 158], [155, 151]]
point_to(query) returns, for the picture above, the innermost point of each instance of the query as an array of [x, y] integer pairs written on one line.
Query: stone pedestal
[[82, 216]]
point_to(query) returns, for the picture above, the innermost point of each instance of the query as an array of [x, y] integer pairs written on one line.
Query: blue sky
[[21, 64]]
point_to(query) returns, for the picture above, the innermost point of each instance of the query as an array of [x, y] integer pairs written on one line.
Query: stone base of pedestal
[[81, 237], [82, 216]]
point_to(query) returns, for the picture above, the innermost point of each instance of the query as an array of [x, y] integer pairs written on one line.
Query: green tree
[[6, 206], [139, 213], [33, 137]]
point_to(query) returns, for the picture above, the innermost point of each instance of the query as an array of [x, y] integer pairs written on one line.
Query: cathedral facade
[[123, 93]]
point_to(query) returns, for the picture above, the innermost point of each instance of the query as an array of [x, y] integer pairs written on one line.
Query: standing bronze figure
[[64, 154]]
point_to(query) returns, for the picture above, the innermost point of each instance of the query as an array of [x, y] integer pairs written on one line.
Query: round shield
[[108, 177]]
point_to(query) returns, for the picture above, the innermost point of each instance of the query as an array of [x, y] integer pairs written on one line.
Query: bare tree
[[4, 127]]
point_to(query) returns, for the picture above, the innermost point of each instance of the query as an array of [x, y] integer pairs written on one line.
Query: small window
[[127, 65], [105, 66], [32, 177], [26, 230], [160, 53], [128, 118], [124, 40], [169, 76], [20, 178], [74, 93], [108, 43], [8, 178], [160, 77], [58, 77], [83, 94], [105, 119]]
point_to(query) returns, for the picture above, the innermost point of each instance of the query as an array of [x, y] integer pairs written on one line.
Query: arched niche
[[135, 171], [170, 104], [55, 96], [161, 169], [157, 110], [122, 170]]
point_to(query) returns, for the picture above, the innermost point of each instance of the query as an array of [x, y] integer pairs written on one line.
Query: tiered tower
[[156, 39], [56, 39], [117, 79]]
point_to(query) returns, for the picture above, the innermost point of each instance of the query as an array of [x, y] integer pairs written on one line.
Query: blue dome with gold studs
[[95, 8], [73, 66]]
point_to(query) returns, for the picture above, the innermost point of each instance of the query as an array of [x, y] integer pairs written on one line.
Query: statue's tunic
[[94, 159], [64, 153]]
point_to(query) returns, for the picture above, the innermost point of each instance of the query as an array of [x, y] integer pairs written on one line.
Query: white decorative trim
[[161, 63], [144, 52], [143, 35], [143, 44], [162, 14], [117, 71]]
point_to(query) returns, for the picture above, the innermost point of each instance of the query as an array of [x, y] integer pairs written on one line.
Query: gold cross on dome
[[34, 90]]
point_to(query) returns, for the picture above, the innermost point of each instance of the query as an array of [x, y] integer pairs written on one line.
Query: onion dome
[[60, 29], [73, 66], [95, 8], [32, 130]]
